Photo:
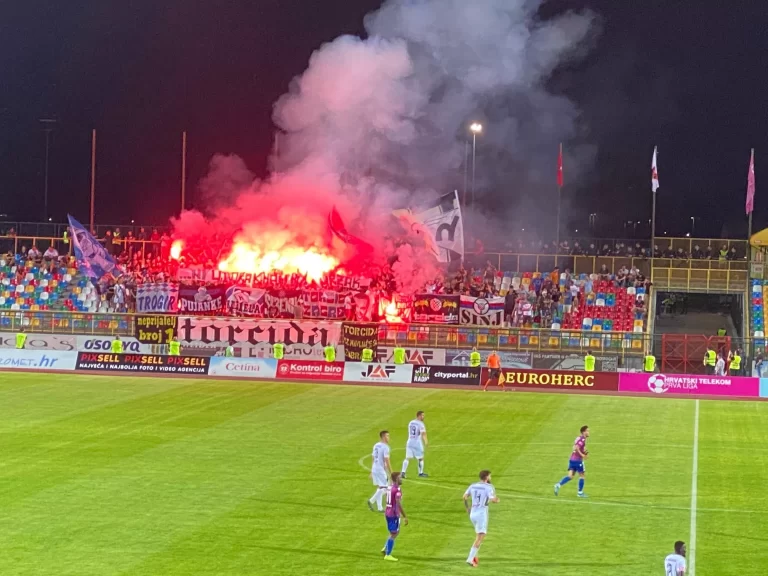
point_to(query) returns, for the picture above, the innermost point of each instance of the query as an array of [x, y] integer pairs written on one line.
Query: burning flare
[[176, 249], [250, 258]]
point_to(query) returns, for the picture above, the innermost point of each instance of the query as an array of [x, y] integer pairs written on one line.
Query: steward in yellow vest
[[589, 362], [710, 359], [649, 365]]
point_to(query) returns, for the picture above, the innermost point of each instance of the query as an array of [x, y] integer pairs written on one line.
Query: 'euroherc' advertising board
[[689, 384]]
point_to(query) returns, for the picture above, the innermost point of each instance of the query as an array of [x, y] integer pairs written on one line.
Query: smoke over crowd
[[379, 123]]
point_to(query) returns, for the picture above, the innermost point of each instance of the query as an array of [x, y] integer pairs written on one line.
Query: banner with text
[[356, 337], [304, 339], [384, 373], [482, 311], [158, 297], [557, 379], [306, 370], [689, 384], [203, 300], [508, 359], [430, 356], [101, 362], [155, 329], [458, 375], [243, 367], [436, 308], [37, 360]]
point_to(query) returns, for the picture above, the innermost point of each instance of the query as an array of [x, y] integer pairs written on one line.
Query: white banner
[[292, 352], [37, 360], [305, 337], [71, 343], [157, 297], [440, 227], [243, 367], [372, 372], [481, 311], [420, 356]]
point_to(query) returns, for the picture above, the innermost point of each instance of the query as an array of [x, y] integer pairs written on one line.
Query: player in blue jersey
[[576, 462], [393, 513]]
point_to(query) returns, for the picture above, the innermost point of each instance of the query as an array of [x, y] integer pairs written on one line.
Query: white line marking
[[694, 493]]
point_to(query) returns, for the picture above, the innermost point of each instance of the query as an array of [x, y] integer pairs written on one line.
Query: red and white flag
[[654, 173], [560, 167], [751, 183]]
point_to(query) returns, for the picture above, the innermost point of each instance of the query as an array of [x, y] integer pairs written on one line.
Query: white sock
[[382, 492], [472, 554], [405, 465], [421, 466], [377, 497]]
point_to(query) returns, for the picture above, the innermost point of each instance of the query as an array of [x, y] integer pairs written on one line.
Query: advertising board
[[105, 362], [70, 343], [508, 359], [37, 360], [306, 370], [371, 372], [575, 362], [430, 356], [357, 336], [243, 367], [557, 379], [458, 375], [155, 329], [659, 384]]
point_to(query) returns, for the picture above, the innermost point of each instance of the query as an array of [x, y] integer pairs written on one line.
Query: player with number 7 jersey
[[476, 500]]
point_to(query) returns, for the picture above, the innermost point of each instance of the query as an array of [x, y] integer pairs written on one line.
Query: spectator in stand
[[732, 254], [165, 246], [33, 253], [681, 254], [669, 252], [130, 245], [51, 253], [697, 253], [109, 245]]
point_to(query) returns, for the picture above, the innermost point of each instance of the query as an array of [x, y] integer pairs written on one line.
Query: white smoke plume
[[380, 123]]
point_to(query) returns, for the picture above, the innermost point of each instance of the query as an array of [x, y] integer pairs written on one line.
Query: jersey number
[[414, 432], [376, 455], [672, 570], [480, 499]]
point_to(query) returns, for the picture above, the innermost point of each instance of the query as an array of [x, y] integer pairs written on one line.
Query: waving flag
[[92, 258], [751, 184], [441, 227], [560, 167], [654, 172]]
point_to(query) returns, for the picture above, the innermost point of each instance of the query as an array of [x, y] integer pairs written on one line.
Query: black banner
[[356, 337], [155, 329], [103, 362], [203, 300], [436, 308], [459, 375]]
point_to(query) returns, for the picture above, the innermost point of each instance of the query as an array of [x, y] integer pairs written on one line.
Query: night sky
[[686, 76]]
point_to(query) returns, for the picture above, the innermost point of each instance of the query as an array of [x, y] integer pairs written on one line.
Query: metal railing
[[22, 244], [700, 275], [67, 323], [56, 229], [514, 339]]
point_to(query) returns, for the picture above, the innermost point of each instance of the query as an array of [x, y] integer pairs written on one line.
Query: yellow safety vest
[[589, 363], [711, 358], [474, 359], [117, 346], [330, 354], [650, 363], [175, 347], [278, 351], [367, 355], [21, 338], [735, 362], [65, 238], [399, 356]]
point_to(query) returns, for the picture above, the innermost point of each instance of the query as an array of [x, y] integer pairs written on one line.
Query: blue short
[[576, 466], [393, 525]]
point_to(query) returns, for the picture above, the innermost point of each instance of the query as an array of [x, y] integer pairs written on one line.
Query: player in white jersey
[[417, 442], [380, 470], [674, 564], [476, 500]]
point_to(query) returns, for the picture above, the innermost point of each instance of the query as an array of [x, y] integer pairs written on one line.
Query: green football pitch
[[142, 476]]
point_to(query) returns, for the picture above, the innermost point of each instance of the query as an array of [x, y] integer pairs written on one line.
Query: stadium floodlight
[[476, 127]]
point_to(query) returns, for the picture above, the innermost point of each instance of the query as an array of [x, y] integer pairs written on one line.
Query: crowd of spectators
[[537, 302]]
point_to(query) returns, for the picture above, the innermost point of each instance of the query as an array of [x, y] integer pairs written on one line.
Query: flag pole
[[749, 223], [559, 197], [653, 223]]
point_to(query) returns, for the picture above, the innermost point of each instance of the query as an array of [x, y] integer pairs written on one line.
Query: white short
[[415, 450], [379, 476], [479, 518]]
